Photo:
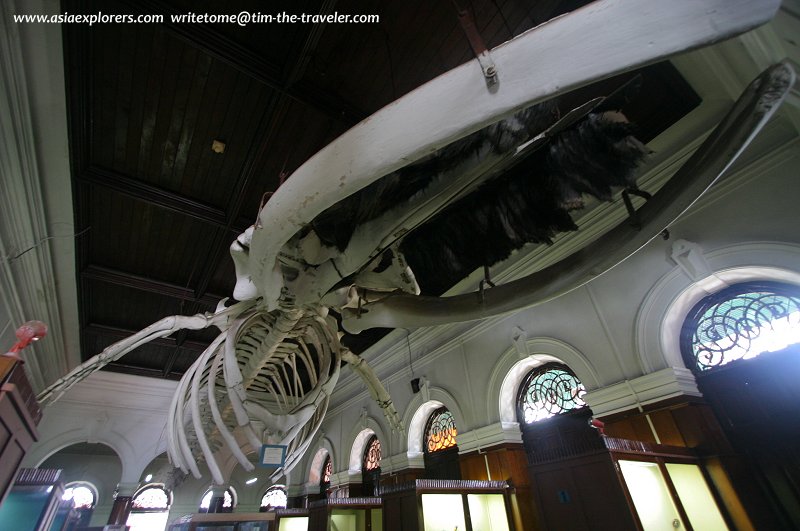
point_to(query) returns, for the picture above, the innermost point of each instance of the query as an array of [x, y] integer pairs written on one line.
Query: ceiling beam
[[121, 278], [180, 338], [138, 370], [153, 195], [117, 334]]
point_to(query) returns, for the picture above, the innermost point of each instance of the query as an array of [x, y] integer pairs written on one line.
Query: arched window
[[327, 472], [149, 508], [439, 444], [370, 467], [274, 498], [548, 390], [82, 494], [372, 454], [440, 431], [228, 501], [151, 498], [740, 322], [84, 498]]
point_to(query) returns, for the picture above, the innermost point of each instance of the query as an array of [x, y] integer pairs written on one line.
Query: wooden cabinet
[[19, 415], [352, 514]]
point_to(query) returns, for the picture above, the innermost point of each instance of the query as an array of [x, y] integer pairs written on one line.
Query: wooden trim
[[168, 289], [673, 492], [628, 498], [121, 333], [152, 195]]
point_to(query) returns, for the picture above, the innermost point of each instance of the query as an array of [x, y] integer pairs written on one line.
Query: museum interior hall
[[483, 265]]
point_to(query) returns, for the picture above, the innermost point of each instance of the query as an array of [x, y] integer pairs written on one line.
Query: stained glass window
[[82, 495], [152, 497], [741, 322], [440, 431], [372, 454], [274, 498], [327, 471], [548, 390]]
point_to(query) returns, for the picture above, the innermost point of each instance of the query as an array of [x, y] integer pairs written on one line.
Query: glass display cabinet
[[227, 522], [291, 519], [666, 491], [35, 502], [623, 484], [448, 505], [346, 514]]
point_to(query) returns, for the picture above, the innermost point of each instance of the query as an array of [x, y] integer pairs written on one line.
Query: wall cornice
[[488, 436], [648, 389]]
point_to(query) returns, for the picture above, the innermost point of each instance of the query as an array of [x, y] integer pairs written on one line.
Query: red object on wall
[[27, 333]]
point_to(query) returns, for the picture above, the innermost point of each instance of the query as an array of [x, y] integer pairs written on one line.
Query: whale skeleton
[[268, 376]]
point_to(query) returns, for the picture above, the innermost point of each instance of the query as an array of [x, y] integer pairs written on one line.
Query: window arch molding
[[418, 411], [510, 370], [365, 426], [358, 448], [315, 465], [59, 442], [661, 315]]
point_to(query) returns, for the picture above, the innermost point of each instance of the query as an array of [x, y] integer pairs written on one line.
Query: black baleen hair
[[528, 203]]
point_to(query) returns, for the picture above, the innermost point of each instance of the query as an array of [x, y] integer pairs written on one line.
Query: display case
[[346, 514], [227, 522], [34, 502], [291, 519], [451, 505]]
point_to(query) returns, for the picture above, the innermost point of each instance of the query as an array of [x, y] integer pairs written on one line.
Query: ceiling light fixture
[[218, 146]]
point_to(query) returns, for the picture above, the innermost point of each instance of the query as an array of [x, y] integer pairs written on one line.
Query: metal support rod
[[478, 47]]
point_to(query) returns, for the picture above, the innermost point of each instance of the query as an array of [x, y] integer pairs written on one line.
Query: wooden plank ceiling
[[157, 209]]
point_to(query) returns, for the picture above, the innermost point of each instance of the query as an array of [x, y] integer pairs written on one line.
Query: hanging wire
[[10, 258], [410, 360]]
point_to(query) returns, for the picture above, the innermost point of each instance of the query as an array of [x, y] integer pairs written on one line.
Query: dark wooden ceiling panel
[[133, 236], [224, 275], [269, 41], [158, 105], [352, 63], [287, 152], [127, 308], [182, 362]]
